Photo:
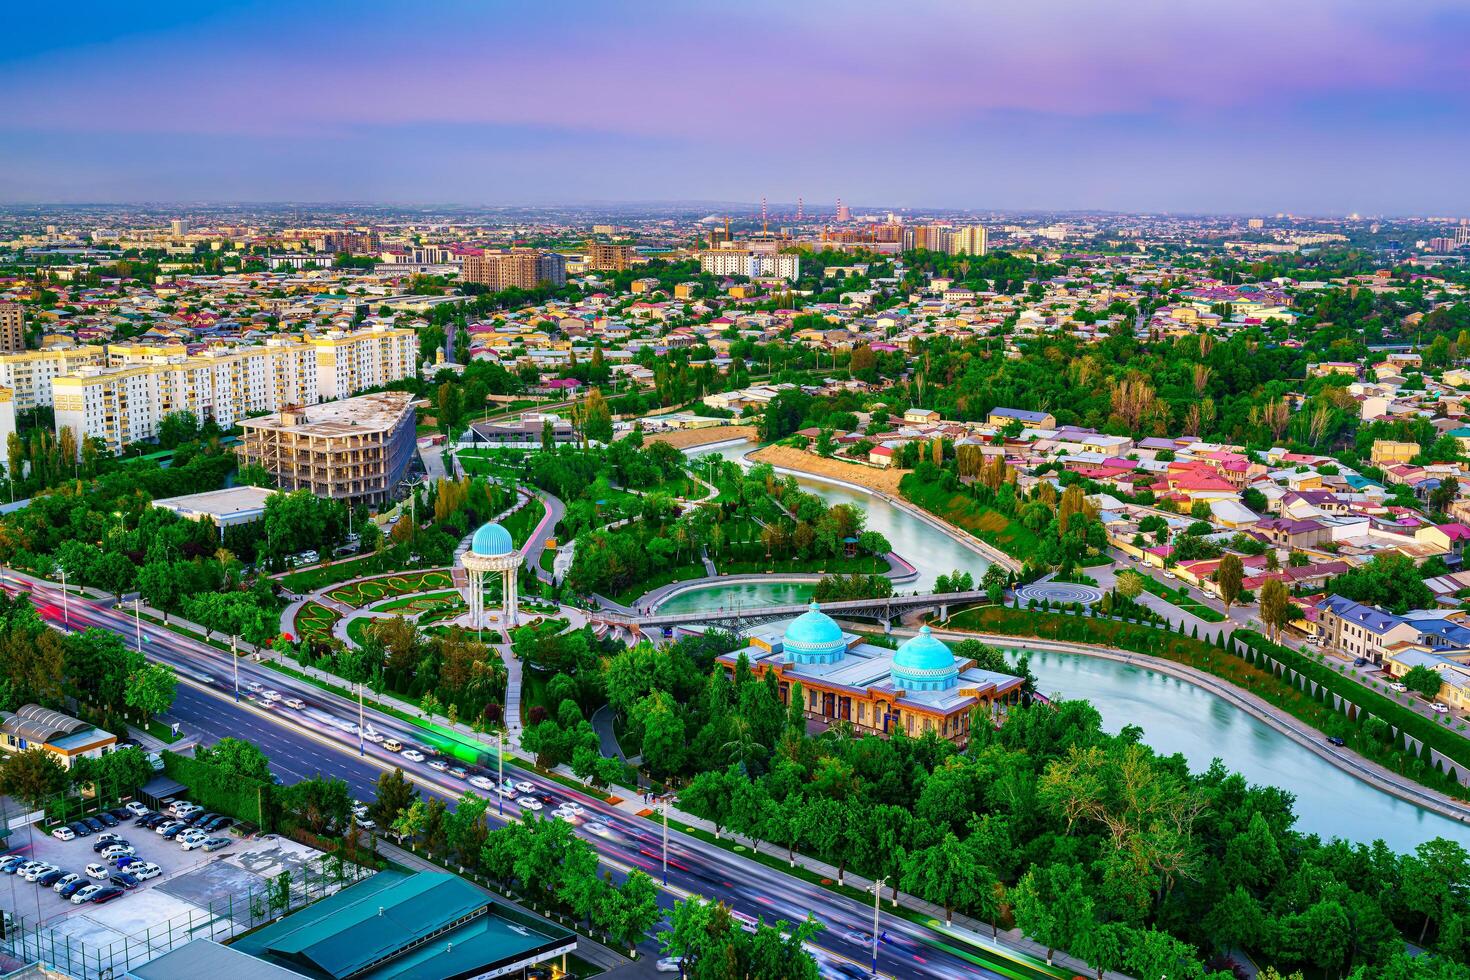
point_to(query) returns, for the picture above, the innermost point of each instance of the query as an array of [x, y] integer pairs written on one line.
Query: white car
[[145, 870], [1170, 575], [412, 755], [480, 782], [193, 842], [529, 803], [367, 824], [64, 833], [255, 686], [98, 871], [1398, 687], [598, 828], [669, 964], [506, 790], [118, 850], [164, 827], [371, 736], [524, 787], [84, 895], [438, 765], [573, 807], [562, 813], [1439, 708], [65, 880], [39, 870], [191, 834], [137, 809], [296, 703], [271, 695]]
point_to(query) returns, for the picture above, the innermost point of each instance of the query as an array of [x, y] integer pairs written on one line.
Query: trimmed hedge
[[1423, 730], [215, 789]]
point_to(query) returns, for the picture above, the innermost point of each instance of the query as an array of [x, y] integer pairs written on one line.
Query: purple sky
[[1308, 106]]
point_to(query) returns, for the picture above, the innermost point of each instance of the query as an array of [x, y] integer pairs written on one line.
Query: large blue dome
[[490, 540], [813, 638], [925, 664]]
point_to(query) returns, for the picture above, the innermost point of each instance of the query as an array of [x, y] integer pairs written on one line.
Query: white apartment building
[[29, 374], [969, 240], [124, 402], [743, 262]]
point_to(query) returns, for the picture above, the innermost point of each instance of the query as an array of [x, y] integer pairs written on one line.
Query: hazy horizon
[[1323, 109]]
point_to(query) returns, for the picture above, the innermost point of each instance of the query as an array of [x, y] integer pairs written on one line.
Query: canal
[[1175, 716]]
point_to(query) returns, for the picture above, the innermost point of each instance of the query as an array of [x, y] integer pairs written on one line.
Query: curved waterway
[[1175, 716]]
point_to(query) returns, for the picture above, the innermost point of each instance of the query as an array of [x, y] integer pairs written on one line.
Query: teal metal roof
[[925, 663], [813, 637]]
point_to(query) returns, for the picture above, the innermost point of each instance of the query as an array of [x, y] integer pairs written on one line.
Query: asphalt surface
[[322, 739]]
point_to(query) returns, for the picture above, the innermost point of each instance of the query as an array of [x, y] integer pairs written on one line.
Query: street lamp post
[[65, 606], [235, 665], [361, 746], [877, 893], [666, 841], [138, 622], [500, 782]]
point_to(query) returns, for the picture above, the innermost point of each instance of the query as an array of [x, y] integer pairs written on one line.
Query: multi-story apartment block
[[31, 373], [125, 401], [745, 262], [519, 268], [935, 238], [969, 240], [609, 258], [12, 327], [356, 449]]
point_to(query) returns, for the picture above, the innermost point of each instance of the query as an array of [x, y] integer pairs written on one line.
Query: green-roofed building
[[393, 926]]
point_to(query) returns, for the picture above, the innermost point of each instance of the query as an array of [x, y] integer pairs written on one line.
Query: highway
[[321, 738]]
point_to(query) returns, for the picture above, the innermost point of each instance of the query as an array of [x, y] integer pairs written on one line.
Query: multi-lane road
[[322, 738]]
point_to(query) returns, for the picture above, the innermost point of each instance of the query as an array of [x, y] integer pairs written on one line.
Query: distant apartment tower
[[1441, 244], [969, 240], [30, 374], [754, 264], [357, 449], [609, 258], [179, 227], [350, 242], [1256, 223], [935, 238], [519, 268], [12, 328]]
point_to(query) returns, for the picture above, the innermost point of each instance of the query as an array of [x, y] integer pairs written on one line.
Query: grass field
[[1180, 597], [962, 510]]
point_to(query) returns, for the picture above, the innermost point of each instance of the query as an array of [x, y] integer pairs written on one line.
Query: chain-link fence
[[27, 940]]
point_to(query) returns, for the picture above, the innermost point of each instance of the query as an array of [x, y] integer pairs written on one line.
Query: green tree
[[1423, 681], [945, 875], [1230, 577], [151, 689], [1051, 905], [33, 777], [1276, 607], [319, 803], [236, 757], [394, 794]]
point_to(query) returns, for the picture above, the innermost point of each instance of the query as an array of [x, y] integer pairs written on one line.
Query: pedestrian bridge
[[737, 618]]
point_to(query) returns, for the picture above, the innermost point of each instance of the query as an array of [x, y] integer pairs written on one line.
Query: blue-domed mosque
[[920, 687]]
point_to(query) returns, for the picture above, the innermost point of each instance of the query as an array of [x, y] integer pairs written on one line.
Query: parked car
[[137, 809], [120, 861], [80, 829], [165, 826], [106, 894], [123, 879], [143, 870], [170, 831], [1438, 708], [1336, 740], [215, 843], [1360, 662], [50, 878], [119, 850], [219, 823], [73, 887], [97, 871], [193, 842], [64, 833], [669, 964], [84, 895], [94, 825], [40, 871], [108, 820], [65, 880], [11, 864], [105, 841], [1397, 686]]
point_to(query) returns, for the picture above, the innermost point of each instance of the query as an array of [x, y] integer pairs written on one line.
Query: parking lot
[[195, 889]]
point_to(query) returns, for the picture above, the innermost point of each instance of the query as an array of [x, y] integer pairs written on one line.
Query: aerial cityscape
[[479, 500]]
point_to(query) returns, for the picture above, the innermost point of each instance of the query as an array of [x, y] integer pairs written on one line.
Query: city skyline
[[1345, 108]]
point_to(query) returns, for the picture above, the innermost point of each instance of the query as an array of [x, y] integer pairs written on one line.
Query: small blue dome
[[813, 638], [925, 664], [492, 539]]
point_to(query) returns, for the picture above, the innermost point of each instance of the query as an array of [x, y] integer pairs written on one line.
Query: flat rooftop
[[231, 505], [351, 416]]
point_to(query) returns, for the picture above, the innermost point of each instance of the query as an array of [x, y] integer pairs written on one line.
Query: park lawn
[[962, 510], [1186, 602], [315, 621], [312, 579], [357, 630], [524, 521], [360, 594]]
